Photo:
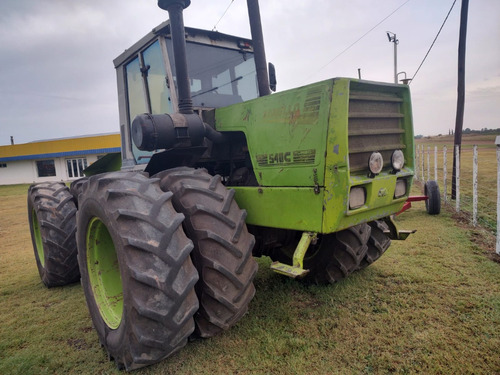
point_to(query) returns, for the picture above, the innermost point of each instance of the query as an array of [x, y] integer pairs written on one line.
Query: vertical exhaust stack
[[174, 9], [258, 47]]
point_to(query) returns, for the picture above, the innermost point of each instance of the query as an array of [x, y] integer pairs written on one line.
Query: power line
[[361, 37], [215, 26], [434, 41]]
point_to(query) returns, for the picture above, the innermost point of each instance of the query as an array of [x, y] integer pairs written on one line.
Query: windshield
[[218, 76]]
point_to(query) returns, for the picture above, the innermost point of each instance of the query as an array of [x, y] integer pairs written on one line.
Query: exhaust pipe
[[174, 9], [258, 47]]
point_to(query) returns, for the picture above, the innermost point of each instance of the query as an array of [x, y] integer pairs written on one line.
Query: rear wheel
[[52, 220], [333, 257], [137, 275], [76, 188], [222, 246]]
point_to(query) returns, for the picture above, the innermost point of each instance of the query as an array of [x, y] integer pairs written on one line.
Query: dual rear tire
[[147, 285]]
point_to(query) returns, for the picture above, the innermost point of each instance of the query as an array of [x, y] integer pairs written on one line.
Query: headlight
[[357, 197], [375, 163], [400, 190], [397, 160]]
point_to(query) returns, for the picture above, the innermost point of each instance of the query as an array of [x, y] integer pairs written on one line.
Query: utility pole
[[460, 91], [392, 38]]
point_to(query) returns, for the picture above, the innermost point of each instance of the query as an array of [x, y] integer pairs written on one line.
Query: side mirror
[[272, 77]]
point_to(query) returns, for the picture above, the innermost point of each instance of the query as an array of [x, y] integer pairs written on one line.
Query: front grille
[[375, 124]]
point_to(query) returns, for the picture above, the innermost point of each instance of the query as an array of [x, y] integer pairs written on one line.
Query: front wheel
[[333, 257], [137, 274], [378, 243]]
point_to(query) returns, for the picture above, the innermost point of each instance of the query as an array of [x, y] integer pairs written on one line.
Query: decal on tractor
[[298, 157]]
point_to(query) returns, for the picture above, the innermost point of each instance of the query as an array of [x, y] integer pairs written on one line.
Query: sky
[[57, 77]]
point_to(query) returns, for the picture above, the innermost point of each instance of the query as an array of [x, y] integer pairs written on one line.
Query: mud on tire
[[52, 220], [222, 246], [137, 273]]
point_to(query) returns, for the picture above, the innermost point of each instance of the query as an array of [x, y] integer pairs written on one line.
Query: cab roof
[[193, 35]]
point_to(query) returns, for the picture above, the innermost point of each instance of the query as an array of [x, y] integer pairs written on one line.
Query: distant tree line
[[467, 131], [482, 131]]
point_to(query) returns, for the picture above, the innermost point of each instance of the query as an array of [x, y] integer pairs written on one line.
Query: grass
[[430, 305], [487, 173]]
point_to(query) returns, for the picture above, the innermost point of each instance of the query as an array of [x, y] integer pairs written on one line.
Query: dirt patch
[[480, 236], [77, 344]]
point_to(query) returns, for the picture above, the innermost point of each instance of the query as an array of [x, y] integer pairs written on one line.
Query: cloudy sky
[[57, 78]]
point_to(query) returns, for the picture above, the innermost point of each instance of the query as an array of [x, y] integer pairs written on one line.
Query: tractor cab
[[221, 72]]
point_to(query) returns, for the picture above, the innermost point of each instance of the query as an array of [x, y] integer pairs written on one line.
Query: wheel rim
[[104, 273], [38, 238]]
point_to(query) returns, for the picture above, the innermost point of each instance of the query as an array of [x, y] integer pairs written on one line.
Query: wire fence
[[478, 175]]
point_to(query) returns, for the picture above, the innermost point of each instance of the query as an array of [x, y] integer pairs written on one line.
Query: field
[[430, 305]]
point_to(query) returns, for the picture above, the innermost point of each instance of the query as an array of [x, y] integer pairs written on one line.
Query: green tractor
[[215, 171]]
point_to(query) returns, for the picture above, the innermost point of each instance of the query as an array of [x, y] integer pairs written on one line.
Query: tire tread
[[223, 246]]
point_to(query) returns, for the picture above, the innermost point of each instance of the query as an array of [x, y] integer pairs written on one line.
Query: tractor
[[216, 170]]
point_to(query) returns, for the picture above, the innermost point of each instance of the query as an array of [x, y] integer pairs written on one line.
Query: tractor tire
[[378, 243], [333, 257], [137, 274], [433, 204], [222, 247], [76, 188], [52, 220]]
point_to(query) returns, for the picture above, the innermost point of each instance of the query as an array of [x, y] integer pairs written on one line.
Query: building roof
[[77, 146]]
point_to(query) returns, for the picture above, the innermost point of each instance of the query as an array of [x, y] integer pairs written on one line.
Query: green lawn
[[430, 305]]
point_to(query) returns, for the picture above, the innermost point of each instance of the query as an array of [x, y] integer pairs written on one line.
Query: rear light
[[244, 45]]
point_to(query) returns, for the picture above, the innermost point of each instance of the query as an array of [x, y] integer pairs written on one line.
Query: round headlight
[[375, 163], [397, 160]]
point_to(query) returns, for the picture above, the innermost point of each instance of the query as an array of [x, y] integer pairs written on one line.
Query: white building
[[54, 160]]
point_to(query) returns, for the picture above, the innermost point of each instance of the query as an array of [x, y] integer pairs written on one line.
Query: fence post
[[428, 163], [457, 176], [445, 174], [422, 154], [436, 163], [497, 142], [474, 186], [417, 156]]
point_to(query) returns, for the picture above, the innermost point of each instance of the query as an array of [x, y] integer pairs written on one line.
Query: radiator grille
[[374, 125]]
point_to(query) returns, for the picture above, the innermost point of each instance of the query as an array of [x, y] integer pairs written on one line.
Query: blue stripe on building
[[62, 154]]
